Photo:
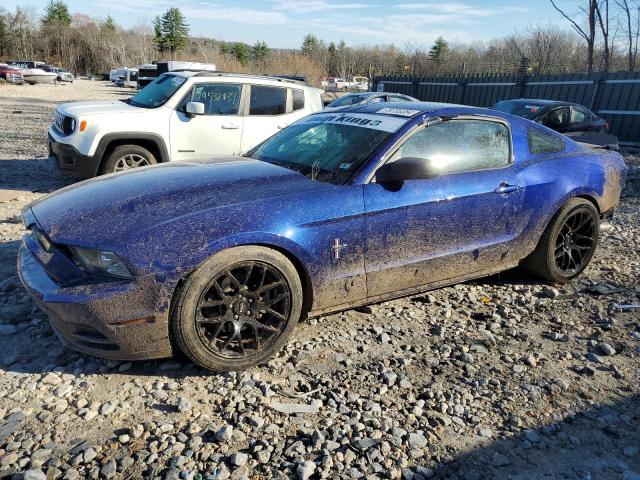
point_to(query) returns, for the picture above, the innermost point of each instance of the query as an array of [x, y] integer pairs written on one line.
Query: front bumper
[[112, 320], [14, 78], [69, 160]]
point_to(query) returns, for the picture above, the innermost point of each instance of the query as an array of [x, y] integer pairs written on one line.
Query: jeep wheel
[[238, 309], [126, 157]]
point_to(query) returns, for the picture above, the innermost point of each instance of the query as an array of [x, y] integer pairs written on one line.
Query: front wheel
[[238, 309], [126, 157], [568, 244]]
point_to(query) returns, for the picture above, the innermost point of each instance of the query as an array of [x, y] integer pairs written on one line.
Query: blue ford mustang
[[221, 260]]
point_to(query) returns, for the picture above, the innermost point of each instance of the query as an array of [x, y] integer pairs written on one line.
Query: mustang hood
[[104, 210]]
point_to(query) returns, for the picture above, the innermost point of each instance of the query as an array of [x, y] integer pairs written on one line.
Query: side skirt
[[411, 291]]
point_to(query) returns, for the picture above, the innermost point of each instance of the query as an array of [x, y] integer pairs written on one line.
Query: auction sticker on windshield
[[376, 122], [403, 112]]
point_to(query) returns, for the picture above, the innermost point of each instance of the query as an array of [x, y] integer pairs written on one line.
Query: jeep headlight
[[100, 262]]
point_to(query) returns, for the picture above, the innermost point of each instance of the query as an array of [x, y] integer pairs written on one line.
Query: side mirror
[[406, 168], [194, 108]]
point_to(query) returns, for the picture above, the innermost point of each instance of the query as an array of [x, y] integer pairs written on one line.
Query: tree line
[[603, 36]]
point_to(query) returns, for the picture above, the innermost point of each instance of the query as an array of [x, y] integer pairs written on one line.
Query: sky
[[283, 23]]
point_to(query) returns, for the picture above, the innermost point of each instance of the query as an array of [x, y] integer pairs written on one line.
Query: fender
[[157, 140]]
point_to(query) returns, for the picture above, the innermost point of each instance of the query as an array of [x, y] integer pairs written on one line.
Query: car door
[[459, 222], [581, 120], [557, 119], [268, 110], [217, 132]]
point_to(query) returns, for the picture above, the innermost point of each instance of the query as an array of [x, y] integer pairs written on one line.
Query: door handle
[[505, 188], [230, 126], [283, 125]]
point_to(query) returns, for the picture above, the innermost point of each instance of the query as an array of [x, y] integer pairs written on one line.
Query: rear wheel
[[126, 157], [238, 309], [568, 244]]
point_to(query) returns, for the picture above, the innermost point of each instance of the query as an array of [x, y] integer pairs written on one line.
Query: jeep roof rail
[[205, 73]]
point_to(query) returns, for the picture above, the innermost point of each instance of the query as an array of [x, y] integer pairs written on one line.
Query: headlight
[[99, 262]]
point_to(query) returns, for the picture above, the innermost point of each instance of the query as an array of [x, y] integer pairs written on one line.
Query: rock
[[366, 443], [530, 360], [107, 408], [630, 452], [224, 434], [606, 349], [12, 424], [108, 470], [34, 475], [290, 408], [184, 405], [532, 436], [417, 440], [487, 338], [7, 329], [172, 474], [305, 470], [88, 455], [499, 460], [239, 459]]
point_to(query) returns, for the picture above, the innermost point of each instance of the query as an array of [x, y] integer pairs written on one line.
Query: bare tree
[[589, 35], [631, 34], [602, 14]]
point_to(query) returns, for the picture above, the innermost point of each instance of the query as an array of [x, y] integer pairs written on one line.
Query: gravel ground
[[503, 378]]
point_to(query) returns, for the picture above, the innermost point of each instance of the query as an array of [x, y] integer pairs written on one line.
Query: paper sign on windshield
[[376, 122]]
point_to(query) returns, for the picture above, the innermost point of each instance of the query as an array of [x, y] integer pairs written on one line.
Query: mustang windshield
[[157, 92], [328, 147]]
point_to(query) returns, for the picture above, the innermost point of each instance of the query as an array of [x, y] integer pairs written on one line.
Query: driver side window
[[460, 145], [556, 118], [218, 98]]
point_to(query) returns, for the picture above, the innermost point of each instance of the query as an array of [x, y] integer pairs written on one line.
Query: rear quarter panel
[[550, 180]]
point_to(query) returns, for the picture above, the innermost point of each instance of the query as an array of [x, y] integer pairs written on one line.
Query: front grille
[[63, 123], [91, 338]]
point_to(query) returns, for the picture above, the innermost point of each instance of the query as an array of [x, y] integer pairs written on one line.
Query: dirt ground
[[502, 378]]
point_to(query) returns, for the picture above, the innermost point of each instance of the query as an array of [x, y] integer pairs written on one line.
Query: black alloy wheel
[[568, 243], [243, 310], [237, 309], [575, 241]]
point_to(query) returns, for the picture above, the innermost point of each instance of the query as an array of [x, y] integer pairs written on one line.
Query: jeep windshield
[[157, 92], [328, 147]]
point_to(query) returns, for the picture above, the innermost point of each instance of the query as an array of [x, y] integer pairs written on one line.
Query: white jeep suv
[[179, 116]]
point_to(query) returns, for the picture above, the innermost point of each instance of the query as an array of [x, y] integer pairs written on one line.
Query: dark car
[[220, 259], [562, 117]]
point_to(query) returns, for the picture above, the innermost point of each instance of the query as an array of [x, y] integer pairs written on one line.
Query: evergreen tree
[[241, 52], [109, 25], [157, 34], [439, 49], [171, 32], [259, 52], [56, 13], [309, 44], [332, 65]]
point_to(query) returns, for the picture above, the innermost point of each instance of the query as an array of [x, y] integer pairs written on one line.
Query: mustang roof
[[411, 109]]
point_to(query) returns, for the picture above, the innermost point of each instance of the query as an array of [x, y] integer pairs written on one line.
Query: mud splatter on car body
[[164, 221]]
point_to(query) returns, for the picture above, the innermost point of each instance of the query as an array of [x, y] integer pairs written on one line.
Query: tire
[[127, 155], [544, 261], [203, 292]]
